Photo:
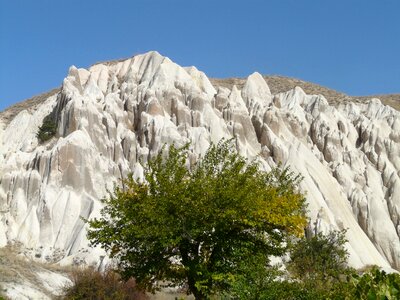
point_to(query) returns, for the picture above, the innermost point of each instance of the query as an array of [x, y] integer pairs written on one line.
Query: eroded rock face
[[112, 118]]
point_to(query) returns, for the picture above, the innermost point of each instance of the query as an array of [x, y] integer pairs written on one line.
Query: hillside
[[30, 104], [111, 118]]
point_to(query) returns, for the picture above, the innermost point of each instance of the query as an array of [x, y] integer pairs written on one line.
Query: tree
[[47, 130], [194, 225], [320, 261], [254, 280], [317, 270]]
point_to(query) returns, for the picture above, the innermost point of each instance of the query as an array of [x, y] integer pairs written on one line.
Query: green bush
[[317, 271], [262, 282], [47, 130], [275, 290], [256, 280], [377, 284], [320, 258], [91, 284], [319, 265]]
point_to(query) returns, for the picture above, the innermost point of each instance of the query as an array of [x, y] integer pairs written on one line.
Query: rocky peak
[[112, 117]]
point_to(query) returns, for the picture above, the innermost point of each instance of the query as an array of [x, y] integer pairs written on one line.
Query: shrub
[[91, 284], [319, 265], [258, 281], [320, 258], [377, 284], [47, 130]]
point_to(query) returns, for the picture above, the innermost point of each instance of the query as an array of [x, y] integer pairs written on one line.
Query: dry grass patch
[[88, 283], [16, 268], [30, 104], [281, 84]]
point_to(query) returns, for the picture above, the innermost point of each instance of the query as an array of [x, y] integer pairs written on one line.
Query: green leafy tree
[[256, 281], [195, 225], [318, 271], [320, 263]]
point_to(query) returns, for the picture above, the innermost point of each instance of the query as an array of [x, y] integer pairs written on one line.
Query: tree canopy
[[194, 225]]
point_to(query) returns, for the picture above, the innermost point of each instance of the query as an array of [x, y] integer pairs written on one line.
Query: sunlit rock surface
[[112, 117]]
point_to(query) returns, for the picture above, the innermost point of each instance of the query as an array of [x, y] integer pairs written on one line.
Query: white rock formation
[[112, 117], [43, 285]]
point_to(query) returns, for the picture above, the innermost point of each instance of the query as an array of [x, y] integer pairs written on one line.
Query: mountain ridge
[[277, 84]]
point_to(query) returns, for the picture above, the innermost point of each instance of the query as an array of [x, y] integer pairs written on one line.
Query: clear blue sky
[[349, 45]]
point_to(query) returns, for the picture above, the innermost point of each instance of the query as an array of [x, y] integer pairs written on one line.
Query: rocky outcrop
[[112, 117]]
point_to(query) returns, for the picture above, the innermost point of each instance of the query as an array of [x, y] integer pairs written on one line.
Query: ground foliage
[[317, 270], [320, 258], [88, 283], [377, 284], [196, 225]]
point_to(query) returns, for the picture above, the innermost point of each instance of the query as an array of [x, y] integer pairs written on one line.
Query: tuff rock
[[112, 117]]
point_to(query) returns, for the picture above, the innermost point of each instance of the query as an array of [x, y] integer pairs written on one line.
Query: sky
[[352, 46]]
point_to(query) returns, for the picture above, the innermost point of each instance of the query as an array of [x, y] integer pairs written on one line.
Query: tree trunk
[[198, 295], [191, 272]]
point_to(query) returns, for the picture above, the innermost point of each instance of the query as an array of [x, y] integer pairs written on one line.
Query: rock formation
[[111, 118]]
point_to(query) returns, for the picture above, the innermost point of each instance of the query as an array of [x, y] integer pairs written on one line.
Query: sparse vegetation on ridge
[[279, 84], [30, 104]]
